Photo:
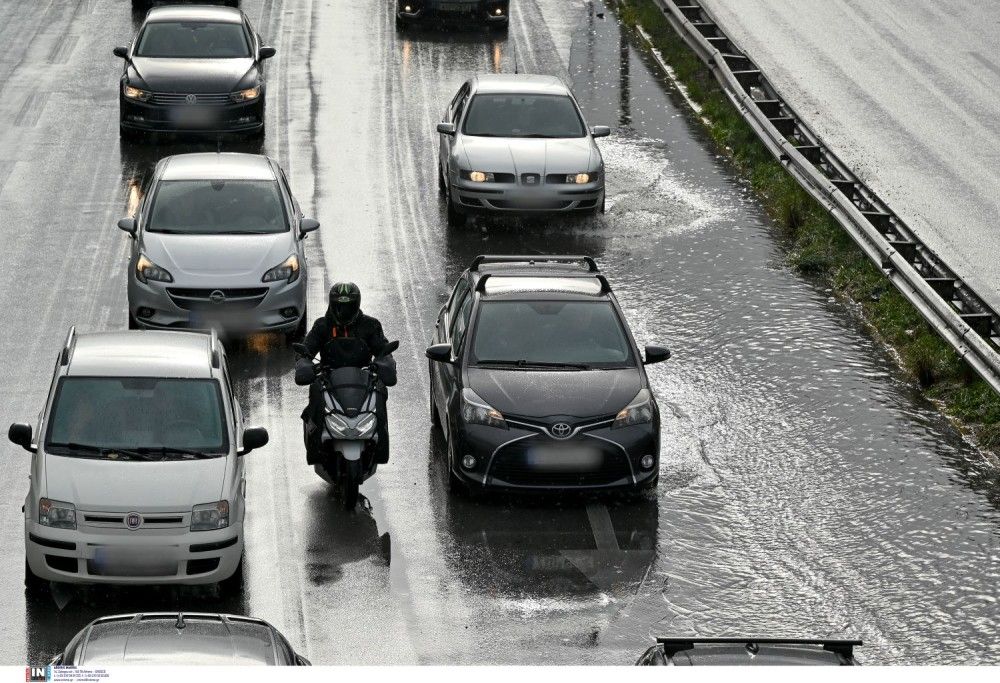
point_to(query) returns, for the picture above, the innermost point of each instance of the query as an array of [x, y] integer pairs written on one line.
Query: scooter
[[350, 427]]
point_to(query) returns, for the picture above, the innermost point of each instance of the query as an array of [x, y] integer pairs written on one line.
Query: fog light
[[144, 312], [498, 11], [469, 462], [290, 312], [647, 462]]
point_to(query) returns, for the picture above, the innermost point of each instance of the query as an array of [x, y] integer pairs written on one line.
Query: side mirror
[[600, 131], [254, 438], [20, 434], [388, 349], [446, 128], [266, 52], [121, 52], [128, 225], [656, 354], [307, 225], [439, 353]]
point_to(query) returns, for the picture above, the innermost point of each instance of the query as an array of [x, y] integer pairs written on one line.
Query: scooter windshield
[[349, 387]]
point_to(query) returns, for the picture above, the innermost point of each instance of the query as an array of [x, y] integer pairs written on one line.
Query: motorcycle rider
[[357, 339]]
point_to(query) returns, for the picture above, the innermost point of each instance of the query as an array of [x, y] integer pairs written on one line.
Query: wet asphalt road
[[905, 93], [805, 488]]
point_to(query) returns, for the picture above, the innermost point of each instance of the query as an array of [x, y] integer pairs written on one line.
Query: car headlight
[[245, 95], [580, 178], [477, 411], [286, 270], [638, 411], [56, 514], [210, 516], [147, 270], [136, 93], [479, 176]]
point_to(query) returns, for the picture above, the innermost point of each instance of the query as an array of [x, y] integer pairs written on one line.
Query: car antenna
[[180, 620]]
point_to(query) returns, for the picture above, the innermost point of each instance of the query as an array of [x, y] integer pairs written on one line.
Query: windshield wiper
[[534, 364], [99, 452], [164, 451]]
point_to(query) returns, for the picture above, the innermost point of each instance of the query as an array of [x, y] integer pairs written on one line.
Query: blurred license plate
[[129, 561], [213, 320], [578, 459], [192, 117], [457, 7]]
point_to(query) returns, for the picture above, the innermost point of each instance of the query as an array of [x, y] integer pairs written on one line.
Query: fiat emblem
[[561, 430], [217, 297], [191, 99], [133, 520]]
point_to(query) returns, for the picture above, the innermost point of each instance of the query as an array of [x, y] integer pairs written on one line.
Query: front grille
[[201, 299], [516, 464], [117, 520], [531, 205], [200, 99]]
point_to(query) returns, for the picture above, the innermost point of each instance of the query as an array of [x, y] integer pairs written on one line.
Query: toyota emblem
[[561, 430], [133, 520], [217, 297], [191, 99]]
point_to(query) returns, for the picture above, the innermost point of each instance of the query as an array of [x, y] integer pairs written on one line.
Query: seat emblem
[[133, 520], [560, 430], [191, 99], [217, 297]]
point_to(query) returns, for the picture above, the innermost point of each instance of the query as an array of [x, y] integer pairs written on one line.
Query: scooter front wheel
[[349, 484]]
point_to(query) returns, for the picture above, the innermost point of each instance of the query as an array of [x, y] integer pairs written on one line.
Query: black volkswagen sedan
[[193, 69], [537, 382], [493, 13]]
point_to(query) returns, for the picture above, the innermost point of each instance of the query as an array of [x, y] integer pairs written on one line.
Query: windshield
[[217, 207], [193, 40], [136, 413], [523, 116], [557, 333]]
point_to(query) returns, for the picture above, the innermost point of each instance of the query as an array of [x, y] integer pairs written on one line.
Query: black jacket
[[346, 351]]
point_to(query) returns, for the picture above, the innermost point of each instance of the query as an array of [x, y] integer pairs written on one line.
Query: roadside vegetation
[[817, 246]]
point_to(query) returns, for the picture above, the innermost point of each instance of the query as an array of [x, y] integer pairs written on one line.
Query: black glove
[[305, 373]]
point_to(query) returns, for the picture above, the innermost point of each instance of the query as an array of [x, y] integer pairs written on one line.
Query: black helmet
[[345, 303]]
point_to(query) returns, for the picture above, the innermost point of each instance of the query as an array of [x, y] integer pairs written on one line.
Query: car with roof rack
[[750, 652], [537, 383], [137, 470], [179, 638]]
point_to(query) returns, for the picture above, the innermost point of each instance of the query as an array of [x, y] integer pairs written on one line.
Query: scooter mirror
[[388, 349], [301, 349]]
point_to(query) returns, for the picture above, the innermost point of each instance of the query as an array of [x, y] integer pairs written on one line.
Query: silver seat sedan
[[217, 243], [517, 143]]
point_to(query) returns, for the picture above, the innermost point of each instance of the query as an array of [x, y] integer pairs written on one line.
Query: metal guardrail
[[949, 305]]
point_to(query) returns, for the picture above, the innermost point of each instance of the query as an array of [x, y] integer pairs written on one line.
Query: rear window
[[551, 332], [138, 412], [193, 40]]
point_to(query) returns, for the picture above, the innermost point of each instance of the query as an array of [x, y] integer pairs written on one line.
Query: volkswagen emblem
[[133, 520], [217, 297], [191, 99], [561, 430]]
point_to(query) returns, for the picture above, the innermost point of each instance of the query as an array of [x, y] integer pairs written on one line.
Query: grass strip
[[819, 247]]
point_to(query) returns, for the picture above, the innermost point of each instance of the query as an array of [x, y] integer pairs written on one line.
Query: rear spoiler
[[532, 259], [844, 648]]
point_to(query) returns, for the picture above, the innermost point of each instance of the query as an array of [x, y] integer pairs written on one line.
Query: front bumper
[[595, 459], [86, 555], [476, 10], [515, 198], [174, 305], [146, 117]]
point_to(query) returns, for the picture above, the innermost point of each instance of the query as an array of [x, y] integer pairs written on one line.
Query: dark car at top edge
[[193, 70], [493, 13], [537, 383]]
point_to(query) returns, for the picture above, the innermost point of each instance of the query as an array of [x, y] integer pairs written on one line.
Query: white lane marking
[[604, 530]]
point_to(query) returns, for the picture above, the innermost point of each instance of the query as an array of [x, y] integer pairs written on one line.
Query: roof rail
[[216, 357], [67, 351], [605, 285], [532, 259], [844, 648]]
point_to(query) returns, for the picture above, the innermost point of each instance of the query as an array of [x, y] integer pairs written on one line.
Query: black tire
[[350, 482], [442, 186], [456, 217], [34, 586], [435, 418], [233, 586], [133, 324], [128, 134], [604, 205]]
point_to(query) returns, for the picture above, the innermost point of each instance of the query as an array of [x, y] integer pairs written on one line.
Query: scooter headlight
[[337, 425], [366, 425]]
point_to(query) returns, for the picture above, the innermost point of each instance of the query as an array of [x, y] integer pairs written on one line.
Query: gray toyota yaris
[[217, 243], [516, 143]]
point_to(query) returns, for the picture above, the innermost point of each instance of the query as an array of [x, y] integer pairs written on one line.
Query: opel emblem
[[133, 520], [561, 430], [191, 99], [217, 297]]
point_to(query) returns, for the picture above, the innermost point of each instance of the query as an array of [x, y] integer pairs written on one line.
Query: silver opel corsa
[[217, 242], [518, 143]]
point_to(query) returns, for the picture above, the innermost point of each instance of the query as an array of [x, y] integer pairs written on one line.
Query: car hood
[[102, 485], [217, 256], [528, 155], [540, 394], [190, 75]]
